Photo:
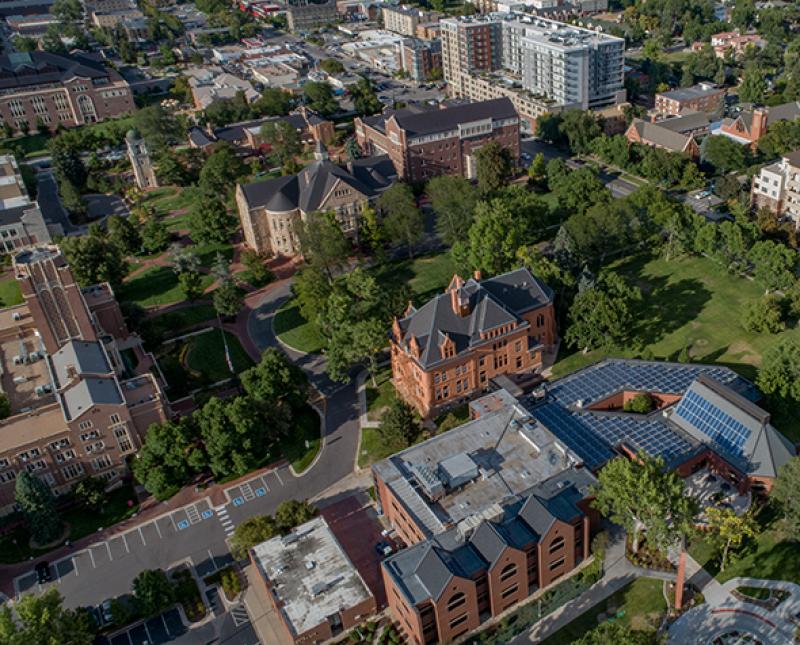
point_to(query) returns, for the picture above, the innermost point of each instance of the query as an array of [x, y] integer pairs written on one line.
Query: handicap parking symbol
[[206, 514], [183, 524], [238, 501], [261, 491]]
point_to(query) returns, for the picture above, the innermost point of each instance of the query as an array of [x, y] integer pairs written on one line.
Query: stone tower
[[142, 165]]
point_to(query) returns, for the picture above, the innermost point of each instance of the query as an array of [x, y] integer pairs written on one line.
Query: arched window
[[508, 571], [556, 544], [456, 600]]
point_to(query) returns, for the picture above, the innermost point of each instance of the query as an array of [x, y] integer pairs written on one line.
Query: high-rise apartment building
[[541, 65]]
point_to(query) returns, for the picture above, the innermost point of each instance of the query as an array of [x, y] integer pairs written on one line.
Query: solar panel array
[[578, 437], [713, 422], [651, 435], [606, 378]]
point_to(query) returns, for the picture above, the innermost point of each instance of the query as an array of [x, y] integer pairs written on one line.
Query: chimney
[[459, 301], [477, 275], [759, 126]]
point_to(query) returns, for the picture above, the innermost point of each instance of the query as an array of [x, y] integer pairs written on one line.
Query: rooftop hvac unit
[[18, 360], [16, 316], [20, 379]]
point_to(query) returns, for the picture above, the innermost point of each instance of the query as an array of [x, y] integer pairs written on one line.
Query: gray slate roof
[[89, 392], [657, 134], [37, 67], [688, 93], [493, 302], [691, 122], [77, 358], [308, 189], [417, 123]]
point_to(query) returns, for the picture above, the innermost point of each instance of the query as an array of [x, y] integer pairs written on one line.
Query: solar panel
[[575, 434], [717, 425]]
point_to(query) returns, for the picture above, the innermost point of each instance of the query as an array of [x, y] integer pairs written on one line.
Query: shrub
[[641, 404], [230, 583]]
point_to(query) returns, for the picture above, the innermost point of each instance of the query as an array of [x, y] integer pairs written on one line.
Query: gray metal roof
[[38, 67], [443, 120], [693, 92], [89, 392], [77, 358], [493, 302], [687, 123]]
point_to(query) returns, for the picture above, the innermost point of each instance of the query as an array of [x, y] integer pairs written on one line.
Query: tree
[[94, 259], [91, 492], [763, 316], [493, 165], [67, 164], [170, 455], [153, 592], [319, 97], [323, 243], [123, 234], [779, 375], [616, 633], [250, 532], [580, 128], [283, 139], [39, 507], [258, 273], [158, 127], [399, 426], [41, 619], [601, 316], [311, 289], [155, 234], [71, 198], [273, 102], [495, 237], [209, 221], [727, 530], [331, 66], [292, 513], [727, 187], [364, 99], [361, 341], [221, 171], [774, 264], [24, 44], [453, 200], [537, 171], [784, 493], [67, 10], [5, 407], [642, 495], [276, 381], [402, 219], [753, 87], [724, 154], [228, 298]]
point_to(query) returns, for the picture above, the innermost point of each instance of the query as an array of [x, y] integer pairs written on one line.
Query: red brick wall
[[514, 560], [465, 613], [564, 554]]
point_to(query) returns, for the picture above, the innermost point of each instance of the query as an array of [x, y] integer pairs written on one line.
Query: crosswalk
[[225, 520], [247, 491], [193, 514], [239, 615]]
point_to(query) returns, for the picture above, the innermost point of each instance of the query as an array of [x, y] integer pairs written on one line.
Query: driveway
[[100, 206]]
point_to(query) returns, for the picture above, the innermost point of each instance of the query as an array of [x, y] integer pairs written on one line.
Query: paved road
[[197, 532], [50, 204]]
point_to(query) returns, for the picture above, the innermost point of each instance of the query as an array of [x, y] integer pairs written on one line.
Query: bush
[[764, 315], [641, 404], [230, 583]]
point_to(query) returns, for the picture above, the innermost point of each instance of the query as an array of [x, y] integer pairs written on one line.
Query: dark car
[[43, 573], [383, 548]]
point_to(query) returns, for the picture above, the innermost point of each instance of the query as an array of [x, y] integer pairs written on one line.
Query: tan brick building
[[426, 143], [59, 90], [450, 348], [78, 383]]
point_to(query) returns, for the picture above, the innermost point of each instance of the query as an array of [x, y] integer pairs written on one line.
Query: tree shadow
[[666, 307]]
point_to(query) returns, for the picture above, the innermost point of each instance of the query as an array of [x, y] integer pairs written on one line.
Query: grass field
[[157, 285], [296, 331], [639, 605], [10, 293], [206, 355], [691, 302], [173, 323], [303, 444], [380, 397]]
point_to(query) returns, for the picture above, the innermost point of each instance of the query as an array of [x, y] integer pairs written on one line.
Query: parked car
[[383, 548], [43, 573], [105, 612]]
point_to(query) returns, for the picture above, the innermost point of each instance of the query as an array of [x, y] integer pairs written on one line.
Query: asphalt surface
[[50, 204]]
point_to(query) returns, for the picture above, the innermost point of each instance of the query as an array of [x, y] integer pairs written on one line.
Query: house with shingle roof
[[447, 350], [675, 134]]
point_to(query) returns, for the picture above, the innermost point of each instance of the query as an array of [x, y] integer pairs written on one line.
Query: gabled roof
[[657, 134], [89, 392], [418, 123], [492, 302], [686, 123], [33, 68], [77, 358]]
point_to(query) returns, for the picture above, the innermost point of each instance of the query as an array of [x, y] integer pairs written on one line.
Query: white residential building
[[777, 187]]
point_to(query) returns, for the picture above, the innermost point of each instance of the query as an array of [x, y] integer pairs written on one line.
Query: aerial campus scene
[[368, 322]]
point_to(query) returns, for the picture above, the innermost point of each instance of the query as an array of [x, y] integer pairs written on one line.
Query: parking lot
[[161, 629]]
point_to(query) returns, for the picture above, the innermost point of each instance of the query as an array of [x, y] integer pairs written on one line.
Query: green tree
[[71, 198], [311, 289], [42, 620], [753, 87], [123, 234], [323, 243], [94, 259], [153, 592], [496, 234], [601, 316], [91, 493], [221, 171], [360, 342], [364, 99], [537, 171], [642, 495], [763, 316], [292, 513], [250, 532], [399, 426], [319, 97], [453, 200], [228, 298], [493, 165], [724, 154], [155, 234], [276, 381], [784, 494], [5, 407], [774, 264], [67, 10], [170, 455], [616, 633], [283, 139], [159, 127], [779, 375], [331, 66], [209, 221], [39, 507], [273, 102], [580, 128], [727, 531], [258, 273], [402, 220]]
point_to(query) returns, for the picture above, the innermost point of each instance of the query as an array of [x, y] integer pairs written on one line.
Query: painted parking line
[[278, 476], [192, 514], [141, 535], [91, 557], [108, 548], [158, 530], [247, 491], [127, 548]]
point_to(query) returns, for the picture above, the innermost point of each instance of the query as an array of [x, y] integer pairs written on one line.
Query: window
[[85, 425], [555, 564], [123, 440], [556, 544], [8, 476], [114, 419], [458, 621], [88, 436], [59, 445], [102, 462], [71, 471], [507, 592], [456, 600], [508, 571]]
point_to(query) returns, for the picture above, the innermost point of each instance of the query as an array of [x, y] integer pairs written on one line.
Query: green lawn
[[639, 605], [33, 145], [206, 355], [10, 293], [373, 447], [691, 302], [173, 323], [380, 397], [303, 445], [296, 331], [157, 285]]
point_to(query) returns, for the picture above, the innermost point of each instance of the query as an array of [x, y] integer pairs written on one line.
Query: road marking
[[238, 501], [260, 491], [192, 514], [183, 524], [74, 564], [247, 491], [91, 556], [172, 519], [207, 513], [141, 535], [213, 561], [158, 530], [126, 543], [108, 548], [279, 477], [239, 615], [166, 627], [263, 479]]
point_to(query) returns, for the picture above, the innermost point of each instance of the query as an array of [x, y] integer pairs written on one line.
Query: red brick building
[[704, 97], [451, 347], [54, 89], [425, 143]]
